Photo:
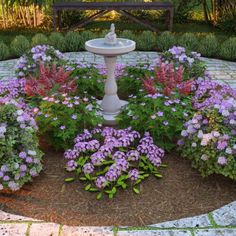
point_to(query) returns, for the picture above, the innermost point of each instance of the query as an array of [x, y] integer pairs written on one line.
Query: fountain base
[[110, 118]]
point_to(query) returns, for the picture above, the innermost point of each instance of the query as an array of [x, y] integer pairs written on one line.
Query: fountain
[[110, 47]]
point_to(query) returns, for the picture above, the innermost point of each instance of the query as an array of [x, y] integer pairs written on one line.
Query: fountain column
[[111, 103]]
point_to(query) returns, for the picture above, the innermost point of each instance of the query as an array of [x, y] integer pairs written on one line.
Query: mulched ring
[[181, 193]]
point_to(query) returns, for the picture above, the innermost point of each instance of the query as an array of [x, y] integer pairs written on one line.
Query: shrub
[[165, 41], [189, 41], [128, 34], [108, 159], [85, 36], [209, 46], [20, 45], [4, 51], [39, 39], [73, 41], [193, 66], [20, 158], [30, 62], [61, 117], [57, 40], [146, 41], [228, 49]]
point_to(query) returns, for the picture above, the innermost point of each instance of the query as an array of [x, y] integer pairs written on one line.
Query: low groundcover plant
[[107, 159]]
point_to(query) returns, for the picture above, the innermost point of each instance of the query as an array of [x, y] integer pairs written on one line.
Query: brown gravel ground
[[181, 193]]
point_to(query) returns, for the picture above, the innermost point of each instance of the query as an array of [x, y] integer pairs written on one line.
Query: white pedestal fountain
[[110, 47]]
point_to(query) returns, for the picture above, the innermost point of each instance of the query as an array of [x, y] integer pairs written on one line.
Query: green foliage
[[89, 80], [128, 34], [39, 39], [4, 51], [164, 121], [165, 41], [208, 46], [73, 41], [146, 41], [227, 16], [57, 40], [20, 45], [189, 41], [85, 36], [62, 117], [228, 49], [183, 9]]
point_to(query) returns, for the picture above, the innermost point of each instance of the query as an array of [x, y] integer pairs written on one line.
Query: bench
[[123, 8]]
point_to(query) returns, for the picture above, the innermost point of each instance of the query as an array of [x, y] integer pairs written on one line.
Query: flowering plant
[[61, 117], [158, 114], [193, 66], [169, 79], [209, 138], [29, 63], [50, 80], [20, 158], [107, 159]]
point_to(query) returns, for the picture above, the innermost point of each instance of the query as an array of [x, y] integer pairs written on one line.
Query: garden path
[[222, 71], [218, 222]]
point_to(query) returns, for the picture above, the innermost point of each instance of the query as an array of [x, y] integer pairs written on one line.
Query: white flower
[[228, 150], [194, 145], [200, 134], [216, 134], [225, 113], [232, 122], [204, 157], [19, 112], [32, 153]]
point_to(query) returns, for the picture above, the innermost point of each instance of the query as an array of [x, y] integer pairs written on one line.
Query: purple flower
[[88, 168], [133, 155], [222, 160], [133, 174], [160, 113], [101, 182], [165, 123], [62, 127]]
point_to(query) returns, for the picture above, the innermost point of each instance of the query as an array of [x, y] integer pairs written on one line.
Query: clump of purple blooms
[[112, 156], [29, 62], [209, 137], [20, 158]]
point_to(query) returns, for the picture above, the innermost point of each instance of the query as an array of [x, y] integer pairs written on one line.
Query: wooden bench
[[119, 6]]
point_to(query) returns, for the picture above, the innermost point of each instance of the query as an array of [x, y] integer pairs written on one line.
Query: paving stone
[[44, 229], [155, 233], [190, 222], [86, 231], [13, 229], [215, 232], [226, 215], [10, 217]]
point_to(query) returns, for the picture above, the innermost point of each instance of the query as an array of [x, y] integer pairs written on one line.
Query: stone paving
[[216, 223], [222, 71]]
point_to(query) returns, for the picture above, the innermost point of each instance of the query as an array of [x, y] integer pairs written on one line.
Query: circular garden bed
[[137, 173]]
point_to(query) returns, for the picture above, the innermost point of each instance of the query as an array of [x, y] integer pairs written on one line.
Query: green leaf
[[99, 196], [113, 191], [83, 178], [158, 175], [68, 180], [88, 187], [93, 190], [88, 176], [111, 195], [136, 190], [124, 186]]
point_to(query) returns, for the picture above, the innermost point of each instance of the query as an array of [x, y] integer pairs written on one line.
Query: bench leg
[[171, 17]]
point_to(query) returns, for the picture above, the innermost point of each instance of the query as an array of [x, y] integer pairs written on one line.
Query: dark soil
[[181, 193]]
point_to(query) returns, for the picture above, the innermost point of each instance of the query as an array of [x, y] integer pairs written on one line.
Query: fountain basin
[[99, 47]]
